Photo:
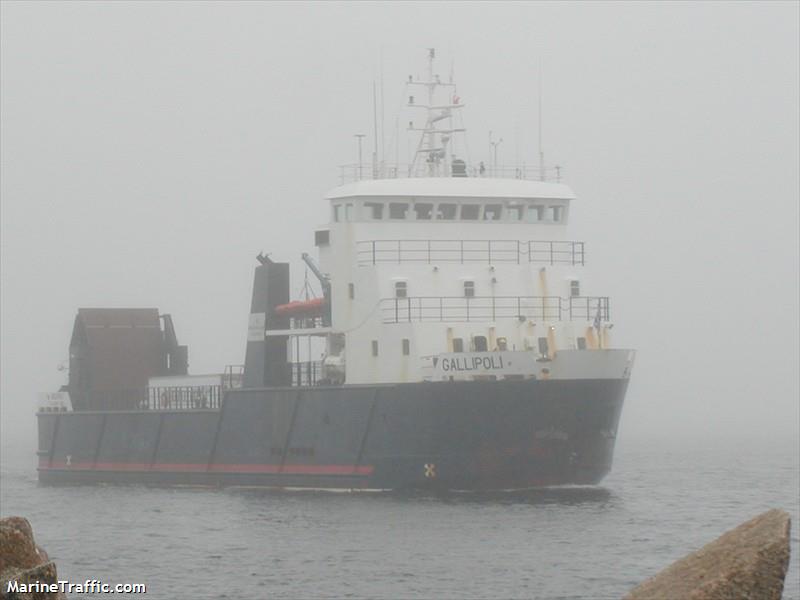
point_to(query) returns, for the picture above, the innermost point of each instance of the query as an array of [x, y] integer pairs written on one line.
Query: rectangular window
[[322, 237], [423, 211], [557, 210], [515, 212], [502, 344], [398, 210], [470, 212], [337, 211], [492, 212], [574, 288], [374, 210], [446, 211], [374, 347], [401, 289], [535, 213], [480, 344], [348, 212], [351, 290], [581, 343], [458, 345], [469, 289], [406, 347], [543, 347]]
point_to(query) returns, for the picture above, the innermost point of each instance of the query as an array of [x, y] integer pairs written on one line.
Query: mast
[[433, 142]]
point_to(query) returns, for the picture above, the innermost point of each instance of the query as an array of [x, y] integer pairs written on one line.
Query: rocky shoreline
[[23, 561]]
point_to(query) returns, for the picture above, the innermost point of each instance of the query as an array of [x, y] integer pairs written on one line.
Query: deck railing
[[373, 252], [450, 309], [306, 373], [194, 397], [357, 172]]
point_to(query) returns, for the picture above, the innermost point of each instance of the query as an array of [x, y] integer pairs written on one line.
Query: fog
[[151, 150]]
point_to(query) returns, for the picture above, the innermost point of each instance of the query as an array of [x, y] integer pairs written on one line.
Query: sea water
[[661, 501]]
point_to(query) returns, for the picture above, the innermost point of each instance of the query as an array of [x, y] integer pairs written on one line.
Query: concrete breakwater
[[22, 561], [747, 562]]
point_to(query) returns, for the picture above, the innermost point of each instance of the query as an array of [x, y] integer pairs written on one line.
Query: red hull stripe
[[217, 468]]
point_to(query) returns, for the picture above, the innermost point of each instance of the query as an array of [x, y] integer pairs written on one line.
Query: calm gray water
[[660, 502]]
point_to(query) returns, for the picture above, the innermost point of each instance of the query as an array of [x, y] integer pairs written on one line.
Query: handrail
[[551, 252], [187, 397], [444, 309], [357, 172], [306, 373]]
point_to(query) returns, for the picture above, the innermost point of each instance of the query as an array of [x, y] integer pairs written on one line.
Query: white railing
[[451, 309], [372, 252], [358, 172]]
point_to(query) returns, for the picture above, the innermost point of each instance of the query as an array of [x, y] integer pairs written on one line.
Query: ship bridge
[[451, 199], [444, 256], [421, 266]]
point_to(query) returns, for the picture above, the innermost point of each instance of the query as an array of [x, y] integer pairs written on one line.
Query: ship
[[450, 346]]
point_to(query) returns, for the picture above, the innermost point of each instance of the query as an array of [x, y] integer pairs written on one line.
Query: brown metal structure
[[114, 351]]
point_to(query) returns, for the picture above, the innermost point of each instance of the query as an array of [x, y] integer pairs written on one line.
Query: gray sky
[[150, 150]]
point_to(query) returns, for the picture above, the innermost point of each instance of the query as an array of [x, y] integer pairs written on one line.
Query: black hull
[[457, 435]]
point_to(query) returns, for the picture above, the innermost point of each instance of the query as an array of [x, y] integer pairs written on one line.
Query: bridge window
[[375, 210], [515, 212], [469, 289], [374, 347], [574, 288], [406, 347], [555, 213], [348, 212], [479, 343], [401, 289], [535, 213], [337, 210], [423, 210], [492, 212], [470, 212], [447, 212], [458, 345], [398, 210]]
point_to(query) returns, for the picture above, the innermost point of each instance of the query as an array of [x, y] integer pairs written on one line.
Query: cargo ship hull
[[465, 435]]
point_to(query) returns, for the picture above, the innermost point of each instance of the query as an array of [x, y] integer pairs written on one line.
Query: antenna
[[375, 131], [396, 146], [383, 120], [541, 150], [359, 137], [494, 153]]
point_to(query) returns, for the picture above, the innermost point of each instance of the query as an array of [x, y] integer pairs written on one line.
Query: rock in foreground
[[747, 562], [21, 560]]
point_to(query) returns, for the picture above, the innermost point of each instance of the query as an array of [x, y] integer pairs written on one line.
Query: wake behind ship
[[451, 347]]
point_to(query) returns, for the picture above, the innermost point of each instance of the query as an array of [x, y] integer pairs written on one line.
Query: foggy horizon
[[151, 151]]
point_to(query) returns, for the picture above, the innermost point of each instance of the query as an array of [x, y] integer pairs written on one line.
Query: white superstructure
[[442, 258]]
